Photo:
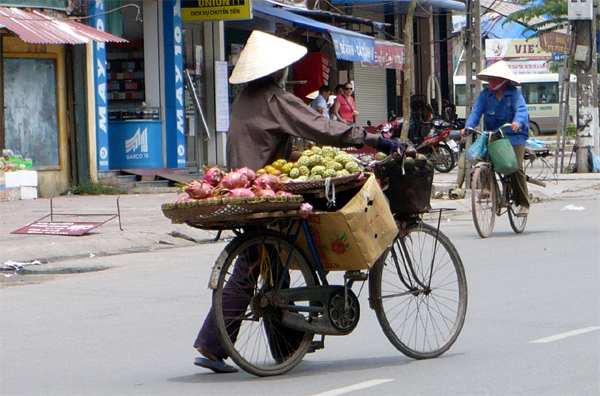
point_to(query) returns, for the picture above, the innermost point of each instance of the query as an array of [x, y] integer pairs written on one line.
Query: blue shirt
[[320, 101], [511, 107]]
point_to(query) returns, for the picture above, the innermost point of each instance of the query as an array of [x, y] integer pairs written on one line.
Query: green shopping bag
[[502, 155]]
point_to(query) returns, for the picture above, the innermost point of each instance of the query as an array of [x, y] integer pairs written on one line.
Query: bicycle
[[537, 165], [488, 201], [267, 323]]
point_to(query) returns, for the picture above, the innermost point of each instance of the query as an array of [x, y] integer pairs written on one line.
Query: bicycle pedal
[[315, 345], [356, 276]]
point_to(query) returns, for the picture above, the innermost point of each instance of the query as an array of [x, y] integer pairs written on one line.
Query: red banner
[[390, 56]]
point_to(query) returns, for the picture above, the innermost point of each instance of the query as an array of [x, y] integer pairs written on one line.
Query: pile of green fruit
[[320, 163]]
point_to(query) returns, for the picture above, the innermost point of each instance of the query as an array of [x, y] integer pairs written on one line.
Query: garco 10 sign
[[207, 10]]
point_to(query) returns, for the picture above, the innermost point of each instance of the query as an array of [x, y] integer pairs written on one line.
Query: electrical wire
[[138, 17], [47, 17]]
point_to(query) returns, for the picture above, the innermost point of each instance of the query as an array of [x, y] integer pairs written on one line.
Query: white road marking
[[567, 334], [347, 389]]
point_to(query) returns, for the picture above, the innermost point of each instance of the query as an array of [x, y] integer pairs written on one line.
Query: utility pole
[[473, 53], [583, 16], [473, 60]]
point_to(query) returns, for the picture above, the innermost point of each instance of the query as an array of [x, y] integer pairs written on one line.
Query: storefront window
[[31, 112]]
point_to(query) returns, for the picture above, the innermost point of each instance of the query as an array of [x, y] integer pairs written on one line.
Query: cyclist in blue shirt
[[499, 104]]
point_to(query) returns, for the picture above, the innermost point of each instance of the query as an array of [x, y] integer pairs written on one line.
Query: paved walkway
[[145, 228]]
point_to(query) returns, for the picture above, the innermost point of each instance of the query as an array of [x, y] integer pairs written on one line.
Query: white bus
[[541, 93]]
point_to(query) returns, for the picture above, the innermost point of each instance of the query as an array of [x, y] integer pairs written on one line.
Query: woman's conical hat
[[499, 69], [263, 55]]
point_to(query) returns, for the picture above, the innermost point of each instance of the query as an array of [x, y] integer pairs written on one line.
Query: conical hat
[[263, 55], [312, 95], [499, 69]]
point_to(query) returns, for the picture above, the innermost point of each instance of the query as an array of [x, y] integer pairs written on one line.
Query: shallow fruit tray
[[219, 212], [312, 185]]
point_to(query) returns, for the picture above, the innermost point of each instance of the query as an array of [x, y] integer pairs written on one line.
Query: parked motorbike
[[435, 145]]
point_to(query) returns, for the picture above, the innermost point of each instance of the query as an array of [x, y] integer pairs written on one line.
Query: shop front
[[34, 79], [138, 105]]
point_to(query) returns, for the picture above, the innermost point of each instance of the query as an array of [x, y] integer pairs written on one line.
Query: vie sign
[[498, 49]]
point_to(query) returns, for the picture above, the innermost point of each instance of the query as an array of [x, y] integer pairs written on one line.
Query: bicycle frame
[[502, 195]]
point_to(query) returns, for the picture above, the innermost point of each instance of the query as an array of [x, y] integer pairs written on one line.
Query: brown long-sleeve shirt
[[265, 118]]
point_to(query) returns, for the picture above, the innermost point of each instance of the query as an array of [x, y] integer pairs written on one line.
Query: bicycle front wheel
[[250, 328], [483, 200], [418, 290], [516, 223]]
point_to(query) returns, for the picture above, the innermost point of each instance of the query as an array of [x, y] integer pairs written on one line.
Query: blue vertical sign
[[174, 96], [97, 21]]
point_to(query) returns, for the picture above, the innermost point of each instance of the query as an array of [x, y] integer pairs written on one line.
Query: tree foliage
[[555, 9], [556, 12]]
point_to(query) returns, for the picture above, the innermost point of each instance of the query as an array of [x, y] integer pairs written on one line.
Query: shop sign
[[174, 92], [554, 42], [353, 49], [216, 10], [58, 228], [99, 54], [388, 56], [498, 49], [135, 144], [528, 67]]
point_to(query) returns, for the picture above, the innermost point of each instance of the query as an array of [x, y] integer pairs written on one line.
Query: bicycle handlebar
[[473, 130]]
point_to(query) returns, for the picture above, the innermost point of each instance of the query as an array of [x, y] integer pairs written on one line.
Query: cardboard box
[[28, 192], [355, 236], [28, 178], [12, 179]]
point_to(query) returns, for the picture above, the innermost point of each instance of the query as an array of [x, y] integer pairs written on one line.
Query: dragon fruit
[[199, 189], [239, 192], [263, 192], [234, 180], [213, 175], [248, 172], [266, 179]]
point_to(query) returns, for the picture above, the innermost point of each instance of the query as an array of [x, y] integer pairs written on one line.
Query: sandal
[[218, 366]]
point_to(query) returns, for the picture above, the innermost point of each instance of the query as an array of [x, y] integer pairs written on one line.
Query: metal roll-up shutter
[[370, 94]]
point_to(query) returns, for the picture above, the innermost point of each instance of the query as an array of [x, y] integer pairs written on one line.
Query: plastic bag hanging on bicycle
[[478, 150]]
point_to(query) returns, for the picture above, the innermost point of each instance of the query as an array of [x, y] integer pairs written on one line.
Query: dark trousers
[[518, 181], [237, 294]]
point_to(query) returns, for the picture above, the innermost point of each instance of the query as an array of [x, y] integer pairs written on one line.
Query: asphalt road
[[532, 327]]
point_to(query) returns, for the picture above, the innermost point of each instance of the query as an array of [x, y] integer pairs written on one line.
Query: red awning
[[37, 28]]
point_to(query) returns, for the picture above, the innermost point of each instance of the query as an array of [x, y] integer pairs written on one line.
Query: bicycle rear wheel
[[249, 327], [483, 200], [418, 290]]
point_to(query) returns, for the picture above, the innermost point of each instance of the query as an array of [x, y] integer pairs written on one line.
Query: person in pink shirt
[[344, 107]]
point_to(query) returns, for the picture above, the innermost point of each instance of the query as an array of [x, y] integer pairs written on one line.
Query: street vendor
[[264, 121]]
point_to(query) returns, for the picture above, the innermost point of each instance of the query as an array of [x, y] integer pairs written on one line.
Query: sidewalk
[[145, 228]]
